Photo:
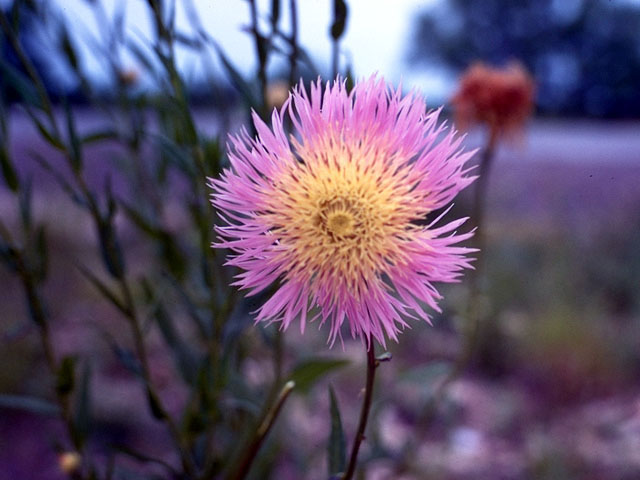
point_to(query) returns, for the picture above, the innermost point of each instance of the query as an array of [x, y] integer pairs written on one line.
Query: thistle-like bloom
[[335, 213], [502, 98]]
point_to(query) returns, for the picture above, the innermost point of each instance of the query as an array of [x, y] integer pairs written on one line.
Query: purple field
[[556, 397]]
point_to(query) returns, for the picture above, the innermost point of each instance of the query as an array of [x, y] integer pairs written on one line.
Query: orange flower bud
[[500, 98]]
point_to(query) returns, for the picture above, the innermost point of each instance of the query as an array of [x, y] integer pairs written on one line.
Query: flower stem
[[263, 429], [372, 364]]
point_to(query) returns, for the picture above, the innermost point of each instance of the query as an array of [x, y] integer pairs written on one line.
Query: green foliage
[[306, 373], [336, 448], [65, 377], [178, 289]]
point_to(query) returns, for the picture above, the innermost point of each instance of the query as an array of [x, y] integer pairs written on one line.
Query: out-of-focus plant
[[501, 101], [156, 193], [222, 424]]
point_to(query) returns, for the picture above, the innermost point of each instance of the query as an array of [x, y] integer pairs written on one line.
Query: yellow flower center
[[340, 223], [342, 218]]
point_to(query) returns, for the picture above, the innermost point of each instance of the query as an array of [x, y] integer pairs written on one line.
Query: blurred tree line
[[48, 42], [584, 54]]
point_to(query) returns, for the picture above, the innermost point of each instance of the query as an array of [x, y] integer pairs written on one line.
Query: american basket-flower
[[334, 213]]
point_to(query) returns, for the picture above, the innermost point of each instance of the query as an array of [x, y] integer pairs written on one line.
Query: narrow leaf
[[75, 148], [8, 171], [68, 48], [83, 403], [336, 449], [308, 372], [154, 405], [236, 78], [53, 140], [98, 136], [103, 289], [41, 254], [184, 359], [65, 376], [28, 404], [20, 83]]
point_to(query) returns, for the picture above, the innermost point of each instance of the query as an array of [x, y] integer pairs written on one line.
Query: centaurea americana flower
[[333, 212]]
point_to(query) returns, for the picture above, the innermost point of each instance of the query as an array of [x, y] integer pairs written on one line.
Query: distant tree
[[584, 54]]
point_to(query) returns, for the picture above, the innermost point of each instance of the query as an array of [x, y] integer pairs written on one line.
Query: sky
[[375, 39]]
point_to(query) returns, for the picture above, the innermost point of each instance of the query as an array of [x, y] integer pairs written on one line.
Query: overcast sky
[[375, 40]]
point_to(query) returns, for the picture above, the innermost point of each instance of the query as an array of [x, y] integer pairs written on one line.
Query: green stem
[[141, 352], [293, 55], [372, 364], [263, 429], [261, 54]]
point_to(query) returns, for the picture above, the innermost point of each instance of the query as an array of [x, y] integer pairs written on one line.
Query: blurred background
[[131, 113]]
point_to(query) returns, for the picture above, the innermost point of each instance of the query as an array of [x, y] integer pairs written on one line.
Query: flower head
[[334, 212], [500, 98]]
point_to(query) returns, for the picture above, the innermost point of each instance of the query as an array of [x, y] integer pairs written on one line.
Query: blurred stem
[[372, 364], [481, 193], [473, 318], [263, 429], [261, 53], [335, 53], [141, 352], [30, 69], [293, 55], [37, 310]]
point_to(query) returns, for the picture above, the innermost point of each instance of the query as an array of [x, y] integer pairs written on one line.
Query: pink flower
[[333, 213]]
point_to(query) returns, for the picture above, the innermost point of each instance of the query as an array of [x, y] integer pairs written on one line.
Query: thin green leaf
[[142, 457], [20, 83], [308, 372], [236, 78], [53, 140], [41, 260], [275, 13], [184, 358], [110, 248], [28, 404], [141, 56], [25, 200], [140, 220], [176, 155], [302, 54], [65, 375], [75, 148], [108, 134], [64, 184], [126, 357], [8, 171], [83, 404], [68, 49], [336, 448], [103, 289], [154, 405]]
